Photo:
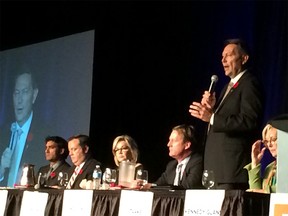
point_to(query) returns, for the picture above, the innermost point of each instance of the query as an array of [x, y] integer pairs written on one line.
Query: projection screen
[[62, 69]]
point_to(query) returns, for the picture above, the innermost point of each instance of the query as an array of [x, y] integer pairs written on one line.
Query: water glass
[[208, 179], [142, 175], [113, 178], [63, 179]]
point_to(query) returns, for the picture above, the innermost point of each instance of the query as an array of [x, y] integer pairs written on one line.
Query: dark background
[[153, 58]]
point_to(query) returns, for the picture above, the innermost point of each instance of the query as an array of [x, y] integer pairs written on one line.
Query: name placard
[[203, 202], [33, 203], [3, 200], [136, 203], [278, 204], [77, 202]]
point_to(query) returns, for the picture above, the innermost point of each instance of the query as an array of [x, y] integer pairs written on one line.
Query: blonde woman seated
[[125, 148], [267, 183]]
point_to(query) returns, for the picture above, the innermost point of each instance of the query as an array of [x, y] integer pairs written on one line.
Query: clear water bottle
[[97, 175]]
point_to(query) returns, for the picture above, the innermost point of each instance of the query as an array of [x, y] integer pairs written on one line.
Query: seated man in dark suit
[[83, 163], [186, 170], [56, 152]]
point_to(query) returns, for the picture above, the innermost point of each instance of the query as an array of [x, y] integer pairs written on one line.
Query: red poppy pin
[[52, 174], [235, 85], [80, 171], [30, 137]]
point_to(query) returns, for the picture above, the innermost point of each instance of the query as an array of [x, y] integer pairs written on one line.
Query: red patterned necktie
[[73, 177]]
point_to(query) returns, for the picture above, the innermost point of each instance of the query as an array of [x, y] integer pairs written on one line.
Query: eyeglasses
[[121, 149], [272, 141]]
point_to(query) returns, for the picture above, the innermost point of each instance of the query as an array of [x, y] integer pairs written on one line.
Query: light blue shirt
[[14, 173]]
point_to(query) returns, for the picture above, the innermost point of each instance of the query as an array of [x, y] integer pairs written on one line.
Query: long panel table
[[165, 202]]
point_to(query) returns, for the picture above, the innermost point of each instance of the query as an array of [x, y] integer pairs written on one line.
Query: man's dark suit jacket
[[192, 175], [85, 173], [34, 150], [52, 180], [236, 126]]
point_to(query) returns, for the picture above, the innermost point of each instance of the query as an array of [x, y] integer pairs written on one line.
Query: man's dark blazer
[[236, 126], [52, 180], [34, 150], [85, 173], [192, 175]]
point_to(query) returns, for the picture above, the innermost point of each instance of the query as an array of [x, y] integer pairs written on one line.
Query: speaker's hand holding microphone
[[203, 110], [209, 97]]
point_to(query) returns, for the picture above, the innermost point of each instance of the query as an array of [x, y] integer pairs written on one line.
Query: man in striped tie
[[83, 163]]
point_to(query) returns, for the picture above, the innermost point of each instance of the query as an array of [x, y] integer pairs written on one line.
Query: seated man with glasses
[[265, 183]]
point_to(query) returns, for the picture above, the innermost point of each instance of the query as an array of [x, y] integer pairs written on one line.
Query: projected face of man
[[24, 97]]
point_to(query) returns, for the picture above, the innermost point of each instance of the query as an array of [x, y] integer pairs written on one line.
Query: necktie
[[230, 85], [49, 172], [73, 177], [178, 174], [17, 150]]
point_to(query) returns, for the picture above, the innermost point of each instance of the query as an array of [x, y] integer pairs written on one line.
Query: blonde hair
[[265, 130], [132, 146]]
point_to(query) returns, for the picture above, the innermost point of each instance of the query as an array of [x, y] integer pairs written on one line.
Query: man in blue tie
[[20, 144]]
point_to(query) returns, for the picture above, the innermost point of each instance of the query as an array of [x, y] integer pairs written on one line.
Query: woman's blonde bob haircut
[[133, 151]]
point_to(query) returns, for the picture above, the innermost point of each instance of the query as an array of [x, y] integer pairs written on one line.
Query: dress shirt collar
[[184, 162], [81, 165], [56, 165], [26, 126], [236, 78]]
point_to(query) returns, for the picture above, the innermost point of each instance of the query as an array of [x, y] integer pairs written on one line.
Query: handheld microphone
[[214, 79], [13, 130]]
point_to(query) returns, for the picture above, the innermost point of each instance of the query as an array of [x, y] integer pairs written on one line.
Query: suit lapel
[[186, 168], [219, 103], [82, 170], [170, 178]]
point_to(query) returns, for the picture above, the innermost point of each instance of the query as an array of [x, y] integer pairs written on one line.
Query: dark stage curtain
[[106, 203], [172, 204]]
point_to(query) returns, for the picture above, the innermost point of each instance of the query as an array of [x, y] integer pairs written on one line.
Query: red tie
[[73, 177]]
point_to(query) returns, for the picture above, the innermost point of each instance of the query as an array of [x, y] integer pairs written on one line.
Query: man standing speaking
[[234, 120]]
